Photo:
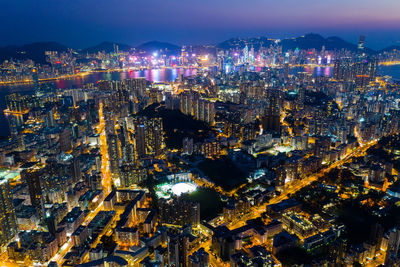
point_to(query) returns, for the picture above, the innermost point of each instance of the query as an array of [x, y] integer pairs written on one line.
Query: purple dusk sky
[[81, 23]]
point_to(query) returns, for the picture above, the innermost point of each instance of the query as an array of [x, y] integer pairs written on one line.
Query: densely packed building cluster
[[233, 166]]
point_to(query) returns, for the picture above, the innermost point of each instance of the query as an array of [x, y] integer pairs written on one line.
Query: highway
[[105, 164]]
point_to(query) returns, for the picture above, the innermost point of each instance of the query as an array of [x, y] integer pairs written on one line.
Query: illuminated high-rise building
[[131, 175], [128, 153], [188, 146], [137, 86], [8, 220], [154, 137], [365, 71], [342, 70], [17, 102], [33, 176], [113, 152], [65, 140], [271, 118], [246, 54], [204, 110], [186, 103], [361, 42], [140, 141], [149, 137], [178, 245]]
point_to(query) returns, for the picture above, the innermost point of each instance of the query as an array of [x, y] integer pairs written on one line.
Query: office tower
[[65, 140], [8, 220], [361, 42], [113, 152], [245, 54], [33, 176]]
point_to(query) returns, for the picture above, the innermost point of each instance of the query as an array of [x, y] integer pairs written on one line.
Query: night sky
[[82, 23]]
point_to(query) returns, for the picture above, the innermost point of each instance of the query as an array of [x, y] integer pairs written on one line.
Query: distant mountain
[[316, 41], [34, 51], [154, 46], [308, 41], [390, 48], [107, 47], [240, 43]]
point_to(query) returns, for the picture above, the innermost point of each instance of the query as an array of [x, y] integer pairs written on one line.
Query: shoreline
[[83, 74], [86, 73]]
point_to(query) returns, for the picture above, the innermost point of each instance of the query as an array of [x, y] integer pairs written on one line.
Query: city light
[[249, 151]]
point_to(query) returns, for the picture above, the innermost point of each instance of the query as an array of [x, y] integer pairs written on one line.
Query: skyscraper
[[361, 42], [154, 137], [178, 249], [8, 221], [65, 140], [204, 110], [271, 118], [113, 153], [186, 103], [32, 175], [140, 144], [149, 137]]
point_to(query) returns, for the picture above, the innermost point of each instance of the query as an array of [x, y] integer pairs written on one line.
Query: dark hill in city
[[177, 125], [107, 47], [34, 51], [223, 172]]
